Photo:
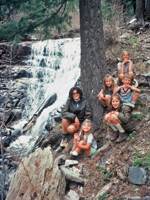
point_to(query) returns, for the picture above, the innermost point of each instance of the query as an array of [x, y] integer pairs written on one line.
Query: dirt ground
[[135, 151]]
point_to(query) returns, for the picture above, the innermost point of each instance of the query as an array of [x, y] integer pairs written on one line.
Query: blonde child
[[86, 140], [107, 90], [127, 93], [119, 119], [125, 67]]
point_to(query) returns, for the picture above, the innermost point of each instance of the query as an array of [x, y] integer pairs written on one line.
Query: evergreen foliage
[[108, 5], [23, 17]]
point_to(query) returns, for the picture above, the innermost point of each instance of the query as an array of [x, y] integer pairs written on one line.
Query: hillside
[[111, 164]]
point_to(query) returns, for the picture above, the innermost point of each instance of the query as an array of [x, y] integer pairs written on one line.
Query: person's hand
[[112, 112], [125, 61], [129, 86], [125, 86], [102, 96], [116, 113], [98, 94]]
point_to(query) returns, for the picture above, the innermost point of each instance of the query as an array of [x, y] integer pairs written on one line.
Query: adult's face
[[76, 95]]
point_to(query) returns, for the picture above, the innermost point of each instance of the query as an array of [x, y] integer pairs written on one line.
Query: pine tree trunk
[[140, 6], [148, 9], [93, 60]]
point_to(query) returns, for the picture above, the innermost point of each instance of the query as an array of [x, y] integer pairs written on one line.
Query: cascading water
[[55, 67]]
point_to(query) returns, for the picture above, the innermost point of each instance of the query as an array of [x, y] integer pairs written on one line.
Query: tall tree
[[148, 9], [93, 61], [140, 7]]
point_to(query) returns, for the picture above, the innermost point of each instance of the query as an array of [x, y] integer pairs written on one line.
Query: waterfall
[[55, 67]]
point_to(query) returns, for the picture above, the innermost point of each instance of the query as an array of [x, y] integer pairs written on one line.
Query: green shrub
[[137, 117], [104, 196]]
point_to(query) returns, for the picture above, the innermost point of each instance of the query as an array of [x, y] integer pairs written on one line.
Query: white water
[[55, 65]]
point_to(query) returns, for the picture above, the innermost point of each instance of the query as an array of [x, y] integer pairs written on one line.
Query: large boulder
[[38, 175]]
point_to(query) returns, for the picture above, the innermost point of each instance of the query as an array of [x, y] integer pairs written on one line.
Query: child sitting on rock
[[127, 93], [125, 67], [86, 140], [107, 90], [119, 119]]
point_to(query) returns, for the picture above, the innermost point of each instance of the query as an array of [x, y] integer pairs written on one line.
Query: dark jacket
[[73, 109], [125, 116]]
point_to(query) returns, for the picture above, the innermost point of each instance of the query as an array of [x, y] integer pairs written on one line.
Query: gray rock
[[142, 96], [147, 198], [138, 175], [72, 176], [103, 190], [133, 198], [16, 132], [103, 148], [72, 195], [73, 185], [71, 162]]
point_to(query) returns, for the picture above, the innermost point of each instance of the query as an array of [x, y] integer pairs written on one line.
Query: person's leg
[[107, 118], [135, 97], [77, 150], [132, 75], [72, 128], [74, 148], [107, 100], [116, 122], [120, 77], [65, 123], [103, 102], [112, 119]]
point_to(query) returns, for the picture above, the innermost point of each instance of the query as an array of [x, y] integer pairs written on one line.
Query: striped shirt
[[126, 66], [125, 94]]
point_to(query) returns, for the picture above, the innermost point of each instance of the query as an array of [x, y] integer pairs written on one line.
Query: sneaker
[[129, 104], [74, 153], [63, 142]]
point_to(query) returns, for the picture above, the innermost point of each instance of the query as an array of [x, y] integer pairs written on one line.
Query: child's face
[[115, 102], [125, 56], [126, 81], [108, 82], [86, 128]]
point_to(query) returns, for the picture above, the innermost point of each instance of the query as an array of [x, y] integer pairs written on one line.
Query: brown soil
[[124, 154]]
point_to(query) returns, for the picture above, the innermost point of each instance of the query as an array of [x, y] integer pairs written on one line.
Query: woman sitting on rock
[[75, 111]]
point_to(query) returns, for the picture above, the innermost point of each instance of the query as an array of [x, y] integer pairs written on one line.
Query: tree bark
[[93, 60], [148, 9], [140, 6]]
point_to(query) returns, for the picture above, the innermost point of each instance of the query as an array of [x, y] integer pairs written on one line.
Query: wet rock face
[[12, 86], [16, 54]]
